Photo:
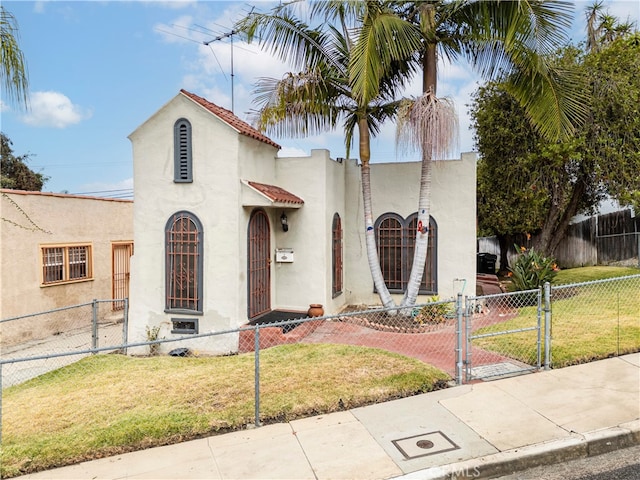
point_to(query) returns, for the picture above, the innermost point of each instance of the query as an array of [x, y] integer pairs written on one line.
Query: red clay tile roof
[[230, 119], [276, 194]]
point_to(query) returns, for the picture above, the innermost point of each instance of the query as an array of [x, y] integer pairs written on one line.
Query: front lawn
[[588, 322], [108, 404]]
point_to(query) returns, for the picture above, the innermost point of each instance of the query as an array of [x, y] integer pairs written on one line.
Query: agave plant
[[532, 269]]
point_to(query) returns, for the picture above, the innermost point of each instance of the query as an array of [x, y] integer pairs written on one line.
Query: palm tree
[[321, 93], [14, 69], [603, 28], [506, 39]]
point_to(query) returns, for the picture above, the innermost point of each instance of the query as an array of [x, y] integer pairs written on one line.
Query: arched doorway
[[259, 264]]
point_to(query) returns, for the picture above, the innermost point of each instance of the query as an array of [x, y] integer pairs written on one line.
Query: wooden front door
[[120, 272], [259, 264]]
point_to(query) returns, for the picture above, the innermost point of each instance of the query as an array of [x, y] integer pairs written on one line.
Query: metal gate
[[120, 271], [259, 264], [512, 321]]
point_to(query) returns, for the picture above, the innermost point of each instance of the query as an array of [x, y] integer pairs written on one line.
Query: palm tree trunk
[[369, 231], [429, 82], [422, 235]]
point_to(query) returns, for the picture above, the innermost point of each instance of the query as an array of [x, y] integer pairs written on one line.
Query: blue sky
[[99, 69]]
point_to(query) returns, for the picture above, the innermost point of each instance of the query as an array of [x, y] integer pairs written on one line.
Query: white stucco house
[[226, 231]]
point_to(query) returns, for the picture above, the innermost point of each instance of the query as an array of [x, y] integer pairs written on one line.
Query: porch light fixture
[[284, 222]]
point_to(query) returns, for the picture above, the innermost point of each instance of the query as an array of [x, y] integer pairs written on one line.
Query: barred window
[[396, 239], [183, 169], [66, 263], [184, 263], [336, 240]]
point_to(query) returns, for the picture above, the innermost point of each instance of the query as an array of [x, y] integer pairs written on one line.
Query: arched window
[[396, 238], [336, 256], [184, 248], [182, 162]]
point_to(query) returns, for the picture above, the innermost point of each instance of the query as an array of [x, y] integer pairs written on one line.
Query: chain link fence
[[41, 342], [471, 338], [594, 320], [503, 334], [426, 332], [553, 327]]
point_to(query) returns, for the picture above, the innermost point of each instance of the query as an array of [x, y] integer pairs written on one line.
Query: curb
[[511, 461]]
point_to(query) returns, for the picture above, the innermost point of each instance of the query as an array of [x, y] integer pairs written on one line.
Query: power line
[[122, 193]]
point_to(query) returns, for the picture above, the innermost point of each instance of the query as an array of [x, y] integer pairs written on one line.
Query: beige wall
[[395, 188], [55, 219]]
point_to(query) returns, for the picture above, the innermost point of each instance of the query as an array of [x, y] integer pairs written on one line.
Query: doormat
[[279, 316]]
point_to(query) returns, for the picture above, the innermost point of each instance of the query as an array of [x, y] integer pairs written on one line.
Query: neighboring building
[[225, 231], [60, 250]]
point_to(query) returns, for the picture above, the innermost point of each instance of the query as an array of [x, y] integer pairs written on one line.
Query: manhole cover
[[425, 444]]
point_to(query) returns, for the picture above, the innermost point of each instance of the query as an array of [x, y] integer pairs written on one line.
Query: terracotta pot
[[315, 310]]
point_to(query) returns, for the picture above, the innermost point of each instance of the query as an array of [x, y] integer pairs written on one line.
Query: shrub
[[532, 269], [433, 312]]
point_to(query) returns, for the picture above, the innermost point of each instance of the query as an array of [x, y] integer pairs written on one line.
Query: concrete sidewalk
[[480, 430]]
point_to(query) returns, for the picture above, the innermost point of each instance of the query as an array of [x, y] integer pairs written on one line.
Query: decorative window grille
[[336, 240], [184, 263], [183, 165], [396, 238], [66, 263]]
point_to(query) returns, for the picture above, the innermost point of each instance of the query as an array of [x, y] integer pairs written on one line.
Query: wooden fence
[[599, 240]]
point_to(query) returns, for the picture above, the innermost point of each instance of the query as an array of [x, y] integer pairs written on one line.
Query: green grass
[[588, 274], [588, 322], [109, 404]]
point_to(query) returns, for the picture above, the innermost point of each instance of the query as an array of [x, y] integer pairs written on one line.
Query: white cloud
[[53, 109], [171, 4], [38, 7]]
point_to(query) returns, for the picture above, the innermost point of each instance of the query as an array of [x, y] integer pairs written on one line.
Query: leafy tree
[[16, 175], [13, 71], [529, 184], [509, 198]]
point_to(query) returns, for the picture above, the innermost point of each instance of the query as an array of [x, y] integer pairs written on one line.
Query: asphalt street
[[623, 464]]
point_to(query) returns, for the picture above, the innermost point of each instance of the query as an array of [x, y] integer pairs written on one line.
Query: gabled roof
[[230, 119], [270, 195]]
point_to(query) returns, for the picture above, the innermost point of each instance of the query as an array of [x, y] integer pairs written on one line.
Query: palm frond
[[544, 97], [14, 75], [384, 40], [290, 39], [297, 105]]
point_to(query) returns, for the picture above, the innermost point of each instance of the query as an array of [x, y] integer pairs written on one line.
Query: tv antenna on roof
[[228, 35]]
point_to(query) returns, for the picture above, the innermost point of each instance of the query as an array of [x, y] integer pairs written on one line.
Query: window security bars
[[184, 263], [66, 263], [336, 256], [396, 238]]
